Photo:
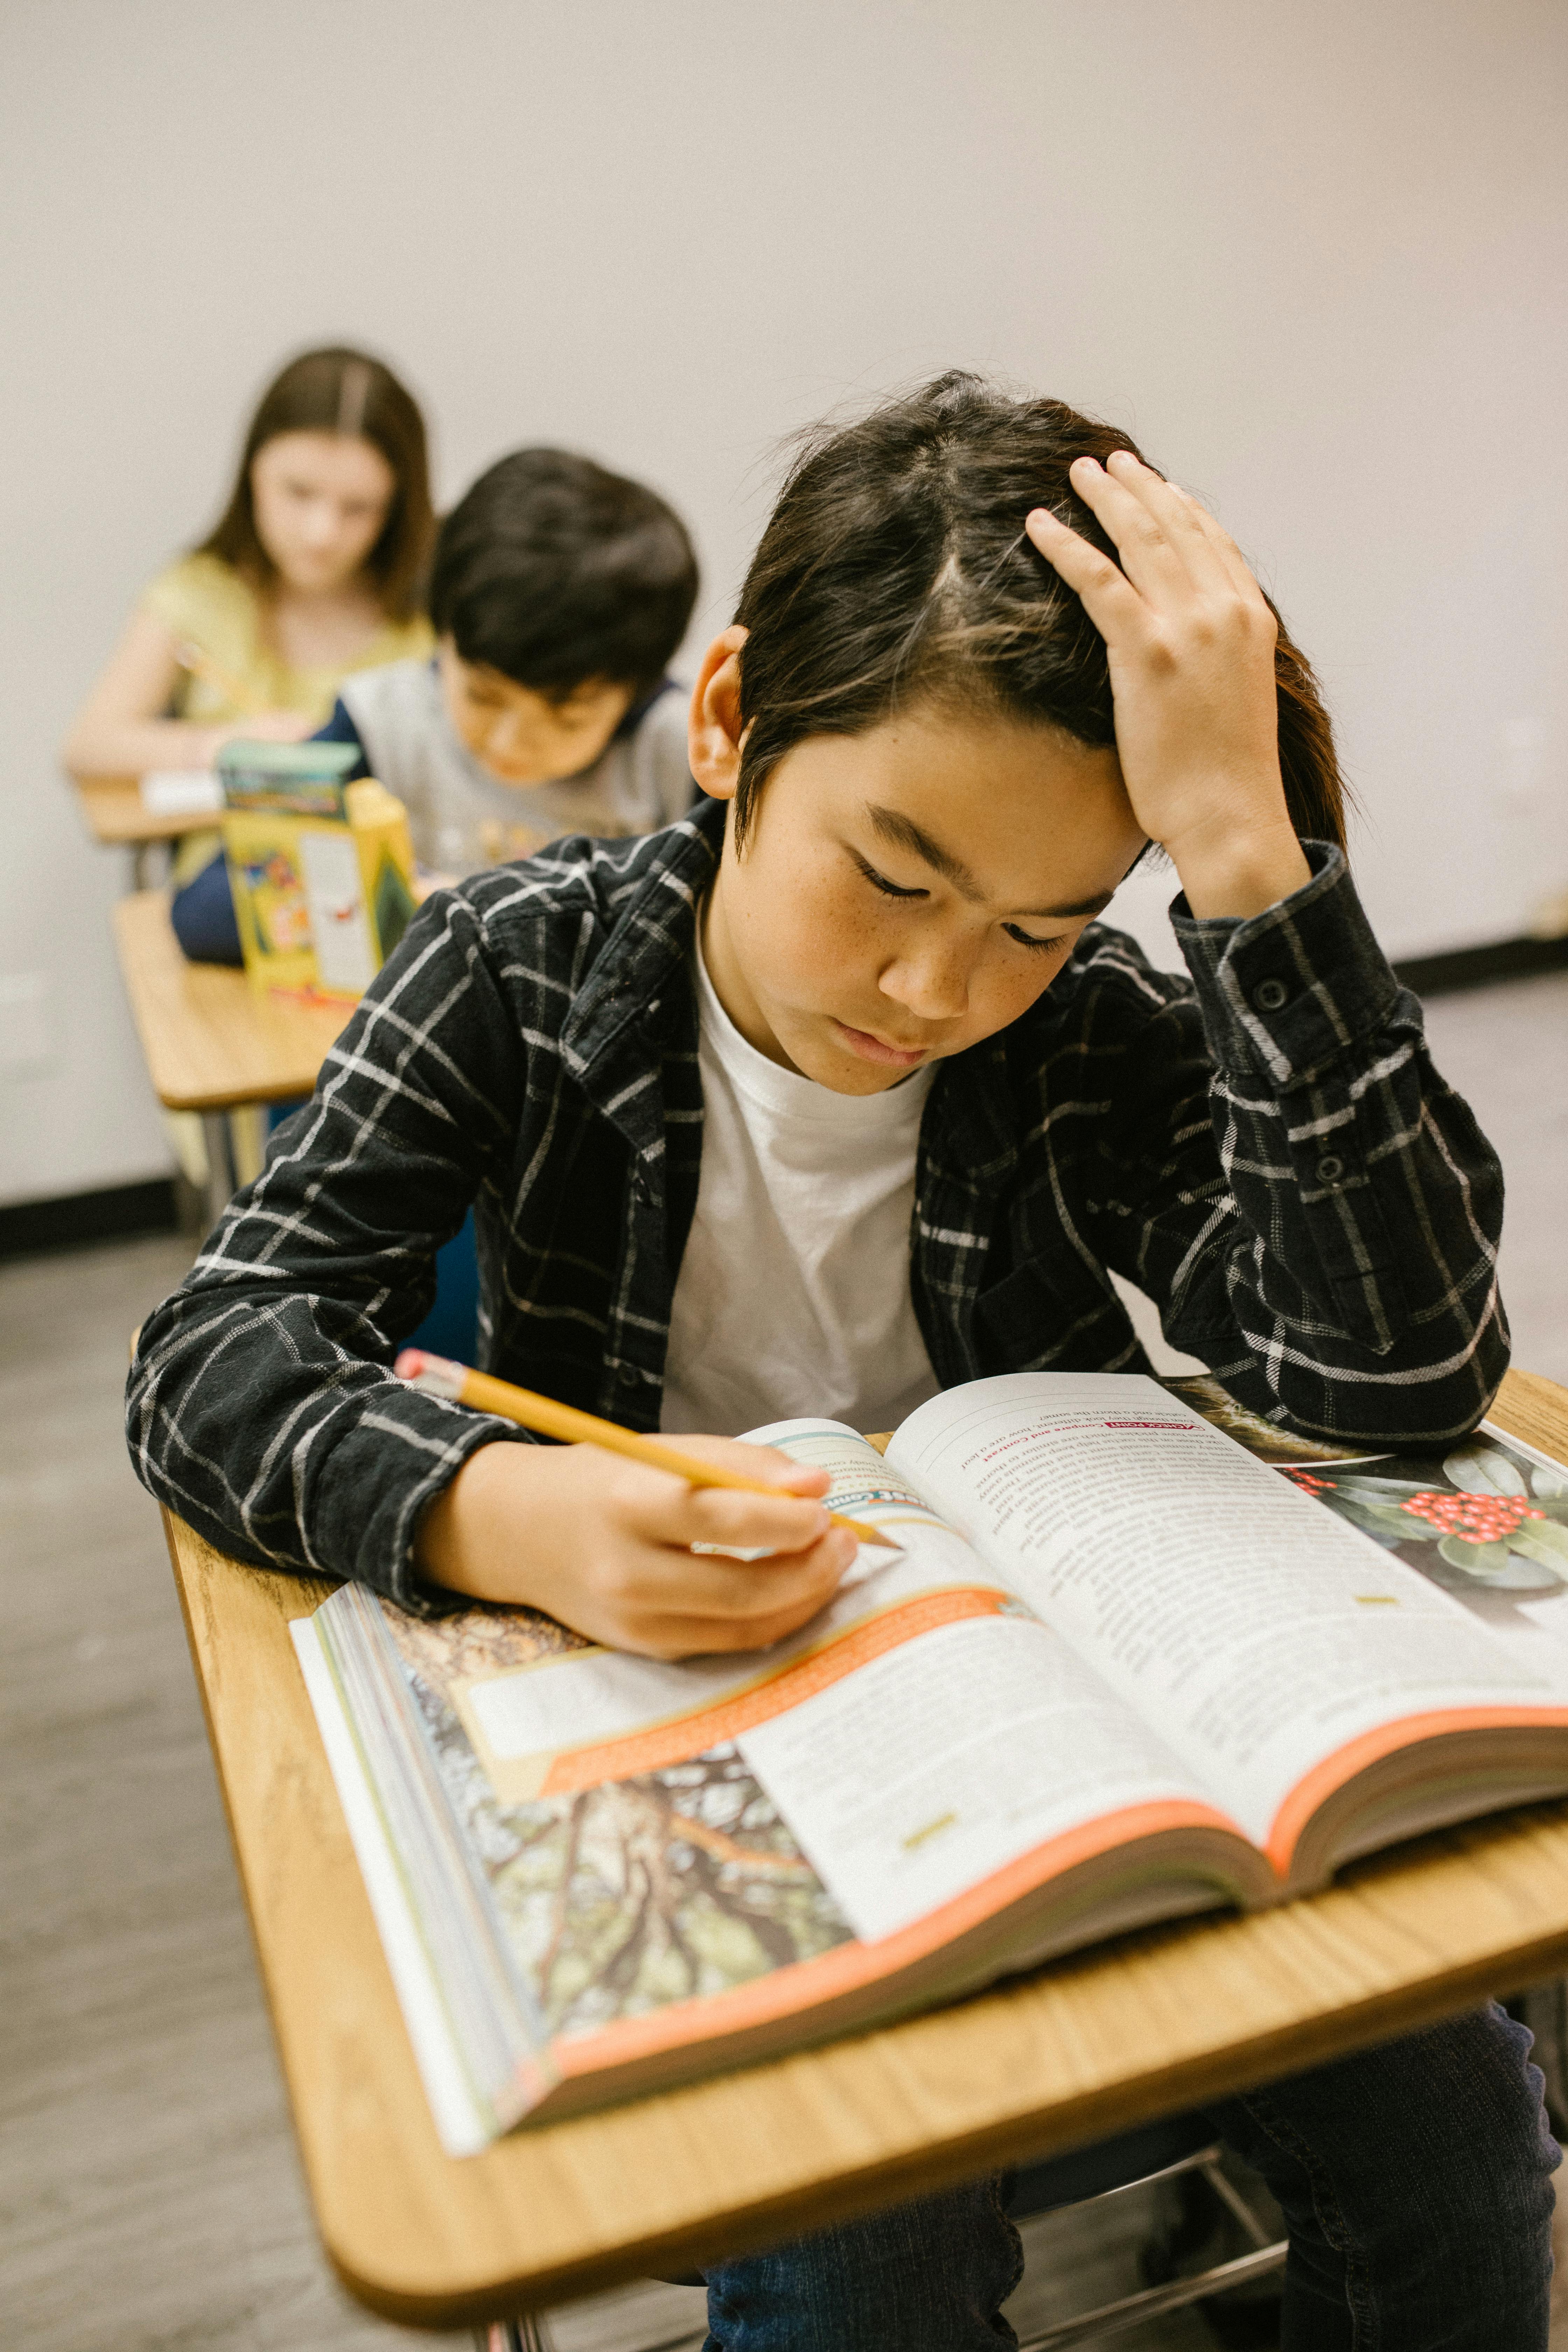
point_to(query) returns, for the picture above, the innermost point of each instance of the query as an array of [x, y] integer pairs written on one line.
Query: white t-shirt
[[793, 1293]]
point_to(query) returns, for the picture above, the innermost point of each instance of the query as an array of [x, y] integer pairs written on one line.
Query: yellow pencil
[[200, 662], [461, 1385]]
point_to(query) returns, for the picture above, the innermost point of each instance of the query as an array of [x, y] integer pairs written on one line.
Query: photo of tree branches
[[620, 1899], [679, 1882]]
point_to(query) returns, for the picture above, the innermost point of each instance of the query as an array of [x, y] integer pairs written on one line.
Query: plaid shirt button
[[1269, 995], [1331, 1168]]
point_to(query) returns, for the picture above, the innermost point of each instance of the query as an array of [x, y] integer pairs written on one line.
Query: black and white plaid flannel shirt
[[1265, 1150]]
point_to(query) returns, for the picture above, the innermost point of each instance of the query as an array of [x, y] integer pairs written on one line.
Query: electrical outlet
[[26, 1030]]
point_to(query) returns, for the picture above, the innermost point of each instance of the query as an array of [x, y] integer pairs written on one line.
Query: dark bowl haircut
[[896, 569], [341, 390], [561, 575]]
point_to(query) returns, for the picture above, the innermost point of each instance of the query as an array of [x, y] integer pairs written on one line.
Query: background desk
[[1150, 2024], [212, 1043]]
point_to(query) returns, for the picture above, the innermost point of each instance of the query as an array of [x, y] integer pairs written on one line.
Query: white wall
[[1311, 254]]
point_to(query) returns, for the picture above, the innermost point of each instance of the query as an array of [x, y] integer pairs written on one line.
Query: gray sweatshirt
[[463, 819]]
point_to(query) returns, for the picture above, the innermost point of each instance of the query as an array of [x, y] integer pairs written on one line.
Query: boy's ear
[[715, 733]]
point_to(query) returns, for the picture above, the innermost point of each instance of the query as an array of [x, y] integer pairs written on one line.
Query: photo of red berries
[[1491, 1517]]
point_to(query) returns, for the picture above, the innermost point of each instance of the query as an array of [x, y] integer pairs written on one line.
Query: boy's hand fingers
[[720, 1515], [1109, 597], [763, 1463], [745, 1594], [788, 1519], [702, 1605], [1145, 521], [1137, 505]]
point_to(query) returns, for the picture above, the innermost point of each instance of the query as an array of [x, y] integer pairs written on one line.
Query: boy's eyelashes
[[881, 881], [897, 890]]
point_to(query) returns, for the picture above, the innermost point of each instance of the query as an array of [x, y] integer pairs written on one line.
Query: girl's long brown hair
[[895, 568], [341, 390]]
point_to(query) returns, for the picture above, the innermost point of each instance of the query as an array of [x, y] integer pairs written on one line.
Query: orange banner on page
[[692, 1735]]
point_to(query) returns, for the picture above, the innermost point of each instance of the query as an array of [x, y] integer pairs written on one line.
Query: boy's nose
[[933, 986], [508, 733]]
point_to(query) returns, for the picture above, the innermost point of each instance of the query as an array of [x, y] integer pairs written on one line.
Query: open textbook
[[1120, 1670]]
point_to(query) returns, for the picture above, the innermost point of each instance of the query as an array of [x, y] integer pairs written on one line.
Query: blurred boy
[[558, 591]]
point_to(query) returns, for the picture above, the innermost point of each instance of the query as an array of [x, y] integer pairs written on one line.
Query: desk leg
[[221, 1185], [513, 2336], [146, 859]]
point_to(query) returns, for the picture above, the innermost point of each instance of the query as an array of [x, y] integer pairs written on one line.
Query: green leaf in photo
[[1476, 1559], [1484, 1470], [1542, 1539]]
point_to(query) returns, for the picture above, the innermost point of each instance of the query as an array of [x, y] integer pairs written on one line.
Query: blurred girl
[[314, 571]]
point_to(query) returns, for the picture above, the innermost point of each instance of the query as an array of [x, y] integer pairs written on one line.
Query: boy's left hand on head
[[1191, 645]]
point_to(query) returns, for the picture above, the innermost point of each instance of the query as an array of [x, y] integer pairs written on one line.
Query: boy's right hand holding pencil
[[604, 1543]]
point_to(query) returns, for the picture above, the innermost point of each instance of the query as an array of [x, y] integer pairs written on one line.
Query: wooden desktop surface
[[116, 815], [1155, 2022], [210, 1039]]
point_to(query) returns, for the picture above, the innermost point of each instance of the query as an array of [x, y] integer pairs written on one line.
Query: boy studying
[[558, 591], [829, 1100]]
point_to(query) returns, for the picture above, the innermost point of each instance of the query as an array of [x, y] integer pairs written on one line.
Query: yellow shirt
[[204, 600]]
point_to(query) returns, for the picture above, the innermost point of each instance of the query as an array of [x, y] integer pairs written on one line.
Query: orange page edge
[[851, 1966], [1335, 1771]]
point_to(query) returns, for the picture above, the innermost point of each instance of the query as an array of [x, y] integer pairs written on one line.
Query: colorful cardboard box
[[321, 871]]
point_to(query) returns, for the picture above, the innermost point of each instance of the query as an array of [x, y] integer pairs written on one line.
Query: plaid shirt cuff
[[1284, 993]]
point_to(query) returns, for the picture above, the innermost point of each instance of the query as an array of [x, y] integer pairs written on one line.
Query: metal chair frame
[[533, 2335]]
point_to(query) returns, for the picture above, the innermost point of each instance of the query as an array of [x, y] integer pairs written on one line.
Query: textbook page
[[1253, 1633]]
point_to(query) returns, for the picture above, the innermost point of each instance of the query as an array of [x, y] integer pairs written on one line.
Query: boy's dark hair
[[560, 574], [895, 569], [341, 391]]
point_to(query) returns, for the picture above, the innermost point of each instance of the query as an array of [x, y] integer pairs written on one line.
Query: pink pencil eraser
[[433, 1374]]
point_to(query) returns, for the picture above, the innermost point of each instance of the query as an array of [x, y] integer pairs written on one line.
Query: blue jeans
[[1414, 2177]]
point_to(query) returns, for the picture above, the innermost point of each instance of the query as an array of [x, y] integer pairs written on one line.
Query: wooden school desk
[[1087, 2047], [211, 1042]]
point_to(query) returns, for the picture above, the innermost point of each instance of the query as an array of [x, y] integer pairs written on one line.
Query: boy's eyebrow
[[901, 831]]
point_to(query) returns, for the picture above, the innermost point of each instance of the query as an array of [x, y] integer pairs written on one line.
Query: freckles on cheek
[[807, 927], [837, 943], [1007, 1001]]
